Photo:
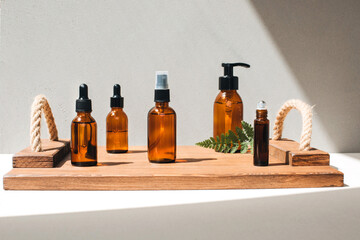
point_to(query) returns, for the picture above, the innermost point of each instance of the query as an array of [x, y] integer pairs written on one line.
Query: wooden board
[[287, 151], [52, 154], [195, 168]]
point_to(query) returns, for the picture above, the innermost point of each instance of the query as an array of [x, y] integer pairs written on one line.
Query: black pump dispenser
[[83, 104], [229, 81], [117, 100]]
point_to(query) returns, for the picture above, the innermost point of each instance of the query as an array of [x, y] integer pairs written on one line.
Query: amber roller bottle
[[162, 124], [117, 124], [261, 136], [228, 106], [83, 132]]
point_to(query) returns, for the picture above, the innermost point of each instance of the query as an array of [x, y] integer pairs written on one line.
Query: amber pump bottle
[[228, 106], [83, 132], [261, 136], [117, 124], [162, 124]]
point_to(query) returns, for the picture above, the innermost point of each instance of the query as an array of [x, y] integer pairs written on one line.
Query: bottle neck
[[116, 109], [83, 114], [161, 104], [229, 91], [261, 114]]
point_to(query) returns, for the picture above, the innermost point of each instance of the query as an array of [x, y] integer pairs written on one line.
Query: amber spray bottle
[[261, 136], [83, 132], [228, 106], [162, 124], [117, 124]]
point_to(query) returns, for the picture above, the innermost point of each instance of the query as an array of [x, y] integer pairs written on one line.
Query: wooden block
[[53, 153], [195, 168], [287, 151]]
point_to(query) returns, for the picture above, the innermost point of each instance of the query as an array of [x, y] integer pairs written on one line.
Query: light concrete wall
[[307, 50]]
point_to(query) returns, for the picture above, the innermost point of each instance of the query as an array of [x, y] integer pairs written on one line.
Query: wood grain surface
[[53, 153], [195, 168], [287, 151]]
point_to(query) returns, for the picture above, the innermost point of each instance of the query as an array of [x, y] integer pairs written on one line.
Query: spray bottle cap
[[261, 105], [83, 104], [162, 92], [229, 81], [117, 100]]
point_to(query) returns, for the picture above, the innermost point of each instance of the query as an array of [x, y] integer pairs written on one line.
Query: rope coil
[[39, 105], [306, 113]]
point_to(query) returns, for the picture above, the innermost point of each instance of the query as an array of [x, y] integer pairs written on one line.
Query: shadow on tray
[[191, 160], [112, 163]]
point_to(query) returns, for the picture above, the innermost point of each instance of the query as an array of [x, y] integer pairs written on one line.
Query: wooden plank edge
[[298, 158], [41, 161], [176, 183], [303, 160]]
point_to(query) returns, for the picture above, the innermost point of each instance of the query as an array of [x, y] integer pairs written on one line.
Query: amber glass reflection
[[83, 140], [261, 139], [228, 112], [162, 134], [116, 131]]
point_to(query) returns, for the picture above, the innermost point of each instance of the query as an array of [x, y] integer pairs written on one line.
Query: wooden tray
[[195, 168]]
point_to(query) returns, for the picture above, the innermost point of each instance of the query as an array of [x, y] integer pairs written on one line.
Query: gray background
[[297, 49]]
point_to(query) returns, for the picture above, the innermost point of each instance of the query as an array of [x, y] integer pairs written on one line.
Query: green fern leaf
[[233, 137], [231, 141], [234, 147], [252, 146], [244, 147], [241, 134], [248, 129]]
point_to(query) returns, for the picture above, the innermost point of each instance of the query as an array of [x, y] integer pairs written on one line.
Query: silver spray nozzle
[[261, 105], [161, 80]]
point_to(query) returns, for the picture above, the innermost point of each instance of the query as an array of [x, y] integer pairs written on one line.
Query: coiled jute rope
[[39, 105], [306, 113]]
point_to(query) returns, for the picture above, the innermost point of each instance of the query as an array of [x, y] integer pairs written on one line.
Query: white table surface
[[43, 202], [281, 214]]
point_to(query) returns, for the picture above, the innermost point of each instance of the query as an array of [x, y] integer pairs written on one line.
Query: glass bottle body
[[228, 112], [117, 131], [162, 133], [83, 140], [261, 139]]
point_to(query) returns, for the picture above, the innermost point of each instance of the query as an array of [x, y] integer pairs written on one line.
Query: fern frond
[[248, 130], [230, 142]]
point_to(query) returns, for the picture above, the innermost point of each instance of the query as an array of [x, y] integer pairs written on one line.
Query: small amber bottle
[[261, 136], [117, 124], [228, 106], [162, 124], [83, 132]]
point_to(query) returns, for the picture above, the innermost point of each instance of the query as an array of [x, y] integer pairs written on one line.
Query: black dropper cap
[[83, 104], [229, 81], [117, 100]]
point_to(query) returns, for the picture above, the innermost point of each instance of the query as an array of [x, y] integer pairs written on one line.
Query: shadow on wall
[[320, 40]]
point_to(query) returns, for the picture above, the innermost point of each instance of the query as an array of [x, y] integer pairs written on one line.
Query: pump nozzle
[[161, 80], [162, 92], [117, 100], [229, 81], [228, 67], [83, 104]]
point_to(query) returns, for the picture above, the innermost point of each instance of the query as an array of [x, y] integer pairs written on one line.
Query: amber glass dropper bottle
[[83, 132], [162, 124], [261, 136], [117, 124], [228, 106]]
